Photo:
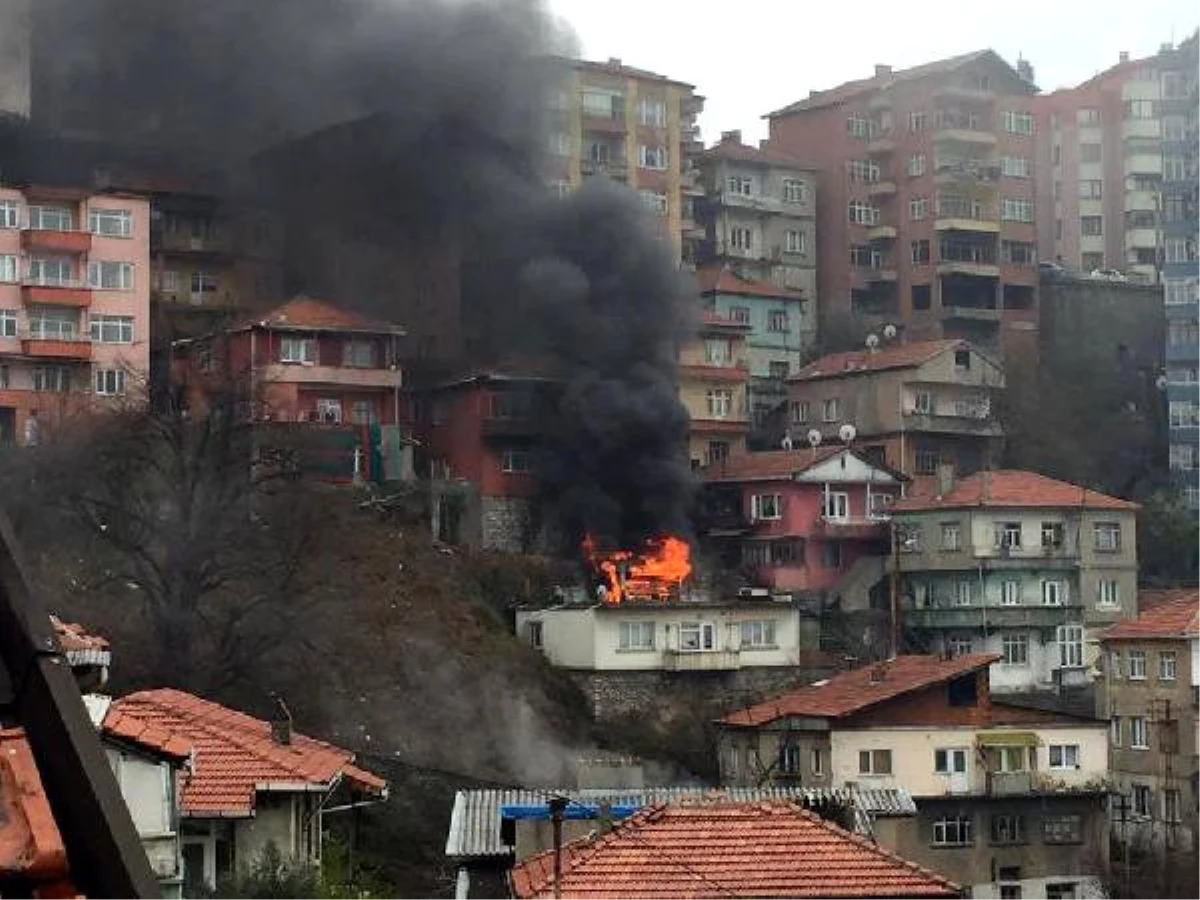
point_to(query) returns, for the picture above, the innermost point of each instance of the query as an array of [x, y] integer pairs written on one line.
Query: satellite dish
[[814, 438], [847, 433], [872, 341], [786, 443], [889, 332]]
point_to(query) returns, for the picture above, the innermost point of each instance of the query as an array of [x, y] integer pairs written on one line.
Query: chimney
[[881, 70], [731, 137], [878, 672], [1124, 57], [281, 724], [1025, 70], [614, 62], [945, 479]]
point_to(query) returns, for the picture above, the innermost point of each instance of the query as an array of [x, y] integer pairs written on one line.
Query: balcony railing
[[56, 345], [970, 618], [56, 240], [701, 660], [1009, 784], [874, 525]]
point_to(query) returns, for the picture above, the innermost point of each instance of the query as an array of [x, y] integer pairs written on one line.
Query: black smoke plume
[[399, 143]]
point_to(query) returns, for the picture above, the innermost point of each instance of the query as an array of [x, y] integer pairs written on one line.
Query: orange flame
[[652, 574]]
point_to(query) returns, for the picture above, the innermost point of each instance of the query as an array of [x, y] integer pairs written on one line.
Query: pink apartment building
[[74, 304], [803, 518]]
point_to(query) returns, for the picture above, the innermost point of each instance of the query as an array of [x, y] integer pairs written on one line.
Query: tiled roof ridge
[[1176, 617], [879, 355]]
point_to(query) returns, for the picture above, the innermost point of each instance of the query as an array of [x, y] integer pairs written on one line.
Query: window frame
[[953, 831], [628, 629], [770, 501]]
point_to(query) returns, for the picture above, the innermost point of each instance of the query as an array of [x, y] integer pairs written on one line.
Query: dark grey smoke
[[418, 199]]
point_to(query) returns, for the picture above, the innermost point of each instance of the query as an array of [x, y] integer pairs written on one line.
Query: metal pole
[[895, 591], [558, 806]]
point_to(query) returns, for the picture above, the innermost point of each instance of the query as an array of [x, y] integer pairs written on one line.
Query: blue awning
[[541, 811]]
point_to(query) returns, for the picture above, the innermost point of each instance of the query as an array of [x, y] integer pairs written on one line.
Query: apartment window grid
[[298, 350], [51, 218], [741, 238], [51, 379], [635, 636], [1139, 733], [516, 462], [835, 505], [1054, 593], [110, 222], [1014, 649], [1107, 537], [766, 507], [9, 269], [1016, 209], [111, 329], [109, 382], [359, 354], [830, 409], [1183, 413], [719, 402], [952, 831], [1066, 829], [951, 536], [800, 412], [1166, 665], [919, 252], [858, 127], [1007, 829], [363, 412], [1016, 166], [918, 208], [793, 241], [875, 762], [1181, 292], [10, 214], [758, 634], [1064, 756], [1108, 592], [1015, 122], [8, 323], [916, 165], [861, 213], [918, 120], [1070, 646], [653, 157], [1141, 800], [1007, 535], [777, 321], [795, 191], [1010, 593], [1115, 730], [741, 185], [1137, 665]]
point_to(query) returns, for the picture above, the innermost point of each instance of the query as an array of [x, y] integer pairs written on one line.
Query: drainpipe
[[558, 806]]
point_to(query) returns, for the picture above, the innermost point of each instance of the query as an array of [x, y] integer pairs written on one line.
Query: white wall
[[1087, 887], [147, 786], [568, 635]]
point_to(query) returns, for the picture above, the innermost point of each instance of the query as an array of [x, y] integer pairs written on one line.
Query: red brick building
[[926, 195]]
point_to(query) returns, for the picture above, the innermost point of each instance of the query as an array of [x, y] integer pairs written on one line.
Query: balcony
[[343, 376], [1150, 129], [864, 527], [210, 245], [1142, 163], [982, 224], [881, 233], [701, 660], [977, 174], [1141, 201], [78, 349], [613, 123], [972, 269], [758, 202], [613, 168], [1141, 237], [882, 275], [74, 294], [976, 618], [56, 241], [933, 423], [881, 189], [970, 313], [965, 136], [1009, 784], [881, 145]]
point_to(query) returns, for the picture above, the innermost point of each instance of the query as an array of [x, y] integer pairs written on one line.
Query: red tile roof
[[720, 279], [75, 640], [317, 315], [1011, 489], [854, 362], [851, 89], [1148, 598], [771, 465], [728, 148], [1177, 617], [850, 692], [233, 754], [723, 849], [31, 847]]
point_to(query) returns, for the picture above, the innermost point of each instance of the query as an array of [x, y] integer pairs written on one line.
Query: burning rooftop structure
[[657, 572]]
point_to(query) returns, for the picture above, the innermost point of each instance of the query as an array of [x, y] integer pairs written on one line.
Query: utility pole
[[895, 590], [558, 806], [1123, 809]]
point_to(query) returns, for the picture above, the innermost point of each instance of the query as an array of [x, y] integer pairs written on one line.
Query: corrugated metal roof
[[475, 819]]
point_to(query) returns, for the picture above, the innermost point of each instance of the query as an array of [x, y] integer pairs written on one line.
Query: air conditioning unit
[[782, 598], [753, 593]]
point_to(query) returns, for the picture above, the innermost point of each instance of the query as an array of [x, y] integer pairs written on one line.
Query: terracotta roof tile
[[904, 356], [310, 313], [721, 849], [849, 692], [728, 148], [1013, 489], [1175, 617], [74, 637], [232, 752], [769, 465], [31, 846], [720, 279]]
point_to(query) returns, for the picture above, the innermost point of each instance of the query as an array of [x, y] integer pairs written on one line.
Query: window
[[298, 350], [862, 213], [1064, 756], [1141, 800], [10, 214], [168, 280], [951, 536], [1091, 226], [793, 241], [358, 354], [766, 506], [110, 222], [1166, 665], [1018, 253], [652, 157], [719, 402], [777, 321], [1054, 593], [112, 329], [114, 276], [777, 370], [1052, 535], [960, 646], [1182, 413], [1008, 829], [799, 412], [835, 505], [926, 461], [1108, 592], [51, 218], [8, 268], [51, 378], [110, 382], [536, 635], [919, 252], [795, 191], [741, 238], [1017, 122], [875, 762], [1010, 593], [1016, 209], [1179, 250], [817, 761], [1108, 536], [740, 184], [831, 556], [559, 143], [740, 314], [652, 112], [329, 410], [1007, 535], [635, 636], [917, 120], [962, 593], [918, 208], [1139, 733], [949, 761], [8, 323], [1014, 649], [1181, 291], [921, 296], [923, 403], [857, 126], [515, 462], [53, 324], [952, 831], [51, 271], [697, 636], [830, 409], [916, 165], [717, 452], [863, 170], [363, 412], [1137, 665], [789, 759], [716, 353], [1062, 829], [1139, 109], [1171, 805], [1015, 166], [758, 634], [1114, 731], [655, 201], [203, 283]]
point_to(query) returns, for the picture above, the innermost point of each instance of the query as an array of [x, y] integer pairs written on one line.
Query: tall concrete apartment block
[[926, 198], [1181, 234], [1092, 186], [635, 127], [15, 58]]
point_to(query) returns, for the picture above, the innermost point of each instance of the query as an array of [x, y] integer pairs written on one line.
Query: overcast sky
[[750, 57]]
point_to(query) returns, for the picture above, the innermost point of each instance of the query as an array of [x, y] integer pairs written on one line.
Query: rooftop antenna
[[872, 343], [814, 441], [889, 332]]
